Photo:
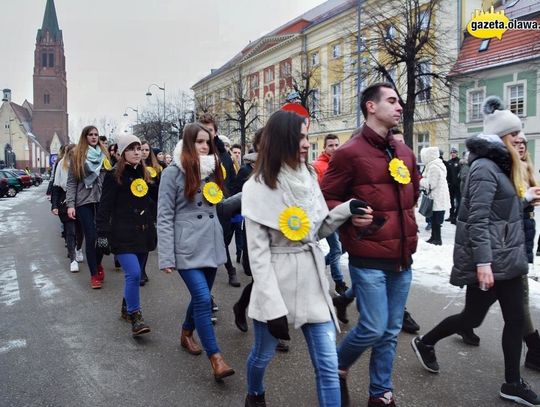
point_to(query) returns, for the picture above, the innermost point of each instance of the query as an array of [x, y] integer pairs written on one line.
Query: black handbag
[[426, 205]]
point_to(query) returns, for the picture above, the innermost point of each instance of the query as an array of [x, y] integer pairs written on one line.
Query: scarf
[[207, 163], [61, 175], [92, 165]]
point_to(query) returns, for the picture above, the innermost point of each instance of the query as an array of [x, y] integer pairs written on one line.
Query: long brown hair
[[191, 163], [151, 161], [121, 166], [80, 153], [280, 144], [68, 155]]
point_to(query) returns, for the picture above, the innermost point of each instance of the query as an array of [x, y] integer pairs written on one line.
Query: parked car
[[25, 178], [14, 184], [37, 179], [3, 187]]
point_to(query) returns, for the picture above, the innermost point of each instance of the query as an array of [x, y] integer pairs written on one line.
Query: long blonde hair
[[68, 155], [516, 168], [528, 169], [80, 153]]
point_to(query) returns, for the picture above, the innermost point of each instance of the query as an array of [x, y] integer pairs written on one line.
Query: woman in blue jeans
[[190, 236], [125, 223], [285, 215]]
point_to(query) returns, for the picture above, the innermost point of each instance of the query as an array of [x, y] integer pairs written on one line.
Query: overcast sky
[[116, 48]]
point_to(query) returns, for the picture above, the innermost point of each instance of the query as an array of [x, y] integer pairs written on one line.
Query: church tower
[[50, 87]]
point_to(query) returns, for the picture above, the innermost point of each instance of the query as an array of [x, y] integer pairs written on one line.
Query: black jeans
[[87, 216], [509, 293]]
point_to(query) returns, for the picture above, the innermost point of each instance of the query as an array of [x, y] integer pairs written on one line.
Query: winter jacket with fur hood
[[434, 180], [489, 222]]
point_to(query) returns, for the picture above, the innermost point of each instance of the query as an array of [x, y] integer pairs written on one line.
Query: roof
[[23, 116], [514, 47], [520, 8], [50, 23], [292, 28]]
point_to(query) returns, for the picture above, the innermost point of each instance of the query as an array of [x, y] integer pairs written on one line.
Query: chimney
[[7, 95]]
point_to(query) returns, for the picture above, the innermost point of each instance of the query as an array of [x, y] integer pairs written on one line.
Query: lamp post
[[135, 110], [148, 93], [10, 162]]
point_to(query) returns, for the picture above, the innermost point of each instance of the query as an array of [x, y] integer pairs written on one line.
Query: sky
[[116, 48]]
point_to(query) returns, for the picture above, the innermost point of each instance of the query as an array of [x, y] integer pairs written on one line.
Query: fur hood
[[489, 146], [207, 162], [428, 154]]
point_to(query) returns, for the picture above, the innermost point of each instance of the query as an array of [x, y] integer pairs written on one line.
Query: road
[[63, 344]]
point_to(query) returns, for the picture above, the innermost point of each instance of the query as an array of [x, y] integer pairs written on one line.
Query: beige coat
[[289, 277]]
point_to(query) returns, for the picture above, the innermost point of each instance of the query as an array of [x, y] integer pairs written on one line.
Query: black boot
[[469, 337], [240, 317], [123, 311], [233, 280], [144, 278], [138, 327], [532, 359], [255, 401], [409, 324], [435, 234], [341, 303]]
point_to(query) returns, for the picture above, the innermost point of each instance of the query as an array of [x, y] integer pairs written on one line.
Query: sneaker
[[213, 319], [95, 282], [138, 326], [387, 399], [425, 354], [215, 308], [74, 266], [409, 324], [100, 273], [282, 346], [520, 392], [79, 256], [341, 287], [469, 337]]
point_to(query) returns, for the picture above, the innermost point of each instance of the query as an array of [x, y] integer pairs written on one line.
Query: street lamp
[[135, 110], [148, 93]]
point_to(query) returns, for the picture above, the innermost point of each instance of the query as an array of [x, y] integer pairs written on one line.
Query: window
[[422, 140], [46, 99], [285, 69], [269, 106], [44, 60], [484, 45], [336, 51], [516, 99], [336, 99], [229, 92], [423, 81], [423, 20], [51, 60], [314, 103], [314, 151], [315, 59], [268, 75], [254, 82], [390, 32], [475, 104]]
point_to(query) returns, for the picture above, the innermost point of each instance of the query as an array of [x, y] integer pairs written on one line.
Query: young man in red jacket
[[331, 144], [382, 172]]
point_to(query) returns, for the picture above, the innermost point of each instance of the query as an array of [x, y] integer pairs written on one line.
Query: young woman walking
[[190, 236]]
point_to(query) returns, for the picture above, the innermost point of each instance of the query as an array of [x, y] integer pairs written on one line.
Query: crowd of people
[[130, 198]]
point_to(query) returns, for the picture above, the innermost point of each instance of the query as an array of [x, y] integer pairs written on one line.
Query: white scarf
[[207, 163], [61, 175]]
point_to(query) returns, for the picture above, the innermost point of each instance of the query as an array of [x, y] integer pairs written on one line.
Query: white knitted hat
[[125, 140], [498, 120]]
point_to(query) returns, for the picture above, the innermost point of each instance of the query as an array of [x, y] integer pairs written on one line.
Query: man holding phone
[[375, 168]]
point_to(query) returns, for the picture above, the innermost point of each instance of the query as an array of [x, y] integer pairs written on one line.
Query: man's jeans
[[380, 298], [332, 258]]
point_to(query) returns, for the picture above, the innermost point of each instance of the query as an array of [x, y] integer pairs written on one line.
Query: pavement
[[63, 344]]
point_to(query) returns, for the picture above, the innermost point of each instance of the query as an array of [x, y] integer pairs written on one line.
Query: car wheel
[[11, 192]]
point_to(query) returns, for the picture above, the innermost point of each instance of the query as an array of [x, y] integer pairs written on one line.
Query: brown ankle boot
[[220, 367], [189, 343]]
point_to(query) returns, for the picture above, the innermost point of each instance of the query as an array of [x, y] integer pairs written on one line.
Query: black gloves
[[357, 207], [103, 245], [279, 328]]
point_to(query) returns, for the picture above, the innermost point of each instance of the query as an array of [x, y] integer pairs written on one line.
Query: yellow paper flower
[[223, 171], [107, 164], [139, 187], [152, 172], [212, 193], [294, 223], [399, 171]]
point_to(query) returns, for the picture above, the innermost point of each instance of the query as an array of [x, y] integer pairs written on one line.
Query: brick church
[[30, 133]]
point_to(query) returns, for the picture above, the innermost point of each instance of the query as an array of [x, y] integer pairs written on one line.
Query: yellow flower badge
[[294, 223], [399, 171], [212, 193], [152, 172], [107, 164], [139, 187], [223, 171]]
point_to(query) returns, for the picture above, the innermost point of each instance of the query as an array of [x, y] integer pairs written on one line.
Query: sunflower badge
[[152, 172], [294, 223], [223, 171], [212, 192], [107, 164], [139, 187], [399, 171]]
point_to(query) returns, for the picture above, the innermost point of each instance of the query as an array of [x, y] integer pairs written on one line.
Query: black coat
[[489, 223], [126, 220], [452, 173]]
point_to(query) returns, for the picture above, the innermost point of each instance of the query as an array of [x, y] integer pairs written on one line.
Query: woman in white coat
[[434, 182], [285, 215]]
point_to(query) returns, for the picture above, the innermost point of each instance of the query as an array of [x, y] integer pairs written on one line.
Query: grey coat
[[78, 195], [189, 233], [489, 222]]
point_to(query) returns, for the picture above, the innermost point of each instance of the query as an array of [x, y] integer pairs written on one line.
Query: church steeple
[[50, 24]]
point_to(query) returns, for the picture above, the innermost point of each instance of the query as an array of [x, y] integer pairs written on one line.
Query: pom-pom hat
[[497, 119]]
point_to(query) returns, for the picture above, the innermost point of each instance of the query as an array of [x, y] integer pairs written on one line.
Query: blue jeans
[[380, 299], [132, 264], [332, 258], [87, 216], [199, 283], [321, 341]]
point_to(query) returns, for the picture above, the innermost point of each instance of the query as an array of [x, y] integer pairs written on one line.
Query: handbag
[[426, 205]]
